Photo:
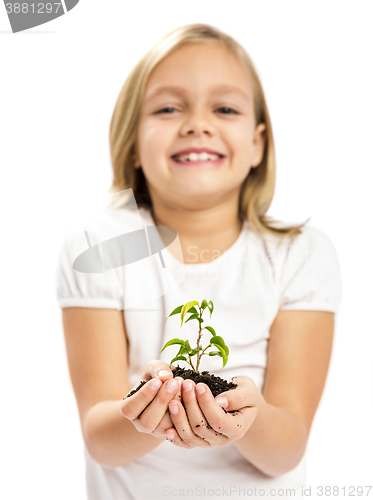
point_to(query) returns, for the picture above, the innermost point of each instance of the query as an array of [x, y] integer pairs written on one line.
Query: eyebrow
[[218, 89]]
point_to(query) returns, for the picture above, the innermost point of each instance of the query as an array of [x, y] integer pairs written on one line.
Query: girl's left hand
[[204, 423]]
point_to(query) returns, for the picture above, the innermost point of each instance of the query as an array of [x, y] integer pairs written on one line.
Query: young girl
[[191, 136]]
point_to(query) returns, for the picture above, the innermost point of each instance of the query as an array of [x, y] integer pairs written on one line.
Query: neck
[[202, 223], [206, 233]]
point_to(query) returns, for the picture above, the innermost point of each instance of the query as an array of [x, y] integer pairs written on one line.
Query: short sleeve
[[76, 289], [311, 275]]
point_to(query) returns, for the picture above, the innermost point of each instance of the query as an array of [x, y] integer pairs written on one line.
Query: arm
[[299, 353], [96, 346], [113, 440]]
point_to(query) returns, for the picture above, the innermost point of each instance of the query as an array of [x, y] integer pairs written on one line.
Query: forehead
[[199, 66]]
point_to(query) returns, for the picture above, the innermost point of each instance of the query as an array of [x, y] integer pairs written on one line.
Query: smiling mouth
[[197, 158]]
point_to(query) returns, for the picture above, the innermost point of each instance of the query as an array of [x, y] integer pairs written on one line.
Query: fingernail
[[163, 373], [173, 409], [187, 385], [172, 385], [222, 401], [156, 384], [200, 388], [170, 435]]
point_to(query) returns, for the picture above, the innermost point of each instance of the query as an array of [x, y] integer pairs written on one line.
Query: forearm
[[111, 439], [275, 442]]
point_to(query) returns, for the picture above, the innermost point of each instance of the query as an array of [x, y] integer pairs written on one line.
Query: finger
[[166, 422], [244, 395], [157, 368], [237, 427], [195, 416], [133, 406], [184, 430], [198, 421], [174, 438], [178, 394], [150, 418], [233, 426], [214, 414]]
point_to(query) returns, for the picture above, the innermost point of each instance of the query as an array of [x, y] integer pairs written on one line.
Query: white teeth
[[197, 157]]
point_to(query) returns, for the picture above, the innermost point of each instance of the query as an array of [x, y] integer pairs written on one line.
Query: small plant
[[217, 385], [185, 348]]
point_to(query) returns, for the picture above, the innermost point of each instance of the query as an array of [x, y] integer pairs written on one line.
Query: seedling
[[185, 348], [217, 385]]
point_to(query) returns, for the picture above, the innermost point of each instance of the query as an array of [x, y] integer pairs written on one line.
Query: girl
[[191, 136]]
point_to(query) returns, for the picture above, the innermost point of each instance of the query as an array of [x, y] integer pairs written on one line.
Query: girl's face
[[198, 97]]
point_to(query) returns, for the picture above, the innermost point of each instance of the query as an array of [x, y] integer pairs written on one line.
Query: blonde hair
[[257, 189]]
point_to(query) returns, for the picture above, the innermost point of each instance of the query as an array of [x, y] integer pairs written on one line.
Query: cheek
[[156, 141], [242, 149], [239, 138]]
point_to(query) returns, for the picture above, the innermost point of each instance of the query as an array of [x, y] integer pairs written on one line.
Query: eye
[[227, 111], [165, 110]]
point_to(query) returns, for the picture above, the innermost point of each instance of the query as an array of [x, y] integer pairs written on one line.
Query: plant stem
[[190, 362], [199, 338], [206, 348]]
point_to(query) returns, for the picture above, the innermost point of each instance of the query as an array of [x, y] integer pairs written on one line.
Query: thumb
[[245, 394], [157, 369]]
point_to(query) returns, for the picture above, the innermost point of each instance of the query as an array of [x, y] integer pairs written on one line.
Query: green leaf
[[173, 341], [184, 350], [223, 354], [220, 341], [193, 316], [200, 320], [187, 344], [193, 310], [181, 348], [210, 329], [186, 308], [215, 353], [178, 358], [175, 311], [217, 340], [204, 304], [211, 307]]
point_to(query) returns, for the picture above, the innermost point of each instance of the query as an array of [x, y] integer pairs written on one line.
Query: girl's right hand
[[147, 409]]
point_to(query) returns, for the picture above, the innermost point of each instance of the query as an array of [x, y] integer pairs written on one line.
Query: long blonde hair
[[257, 189]]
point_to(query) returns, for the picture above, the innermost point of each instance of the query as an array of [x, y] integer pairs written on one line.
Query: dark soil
[[217, 385]]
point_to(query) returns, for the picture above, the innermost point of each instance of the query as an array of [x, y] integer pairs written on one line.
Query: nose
[[197, 123]]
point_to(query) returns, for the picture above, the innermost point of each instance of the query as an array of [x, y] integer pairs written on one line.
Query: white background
[[59, 83]]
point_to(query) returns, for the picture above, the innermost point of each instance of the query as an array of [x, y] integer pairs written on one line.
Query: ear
[[259, 142]]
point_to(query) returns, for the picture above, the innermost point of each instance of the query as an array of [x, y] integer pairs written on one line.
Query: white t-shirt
[[248, 284]]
